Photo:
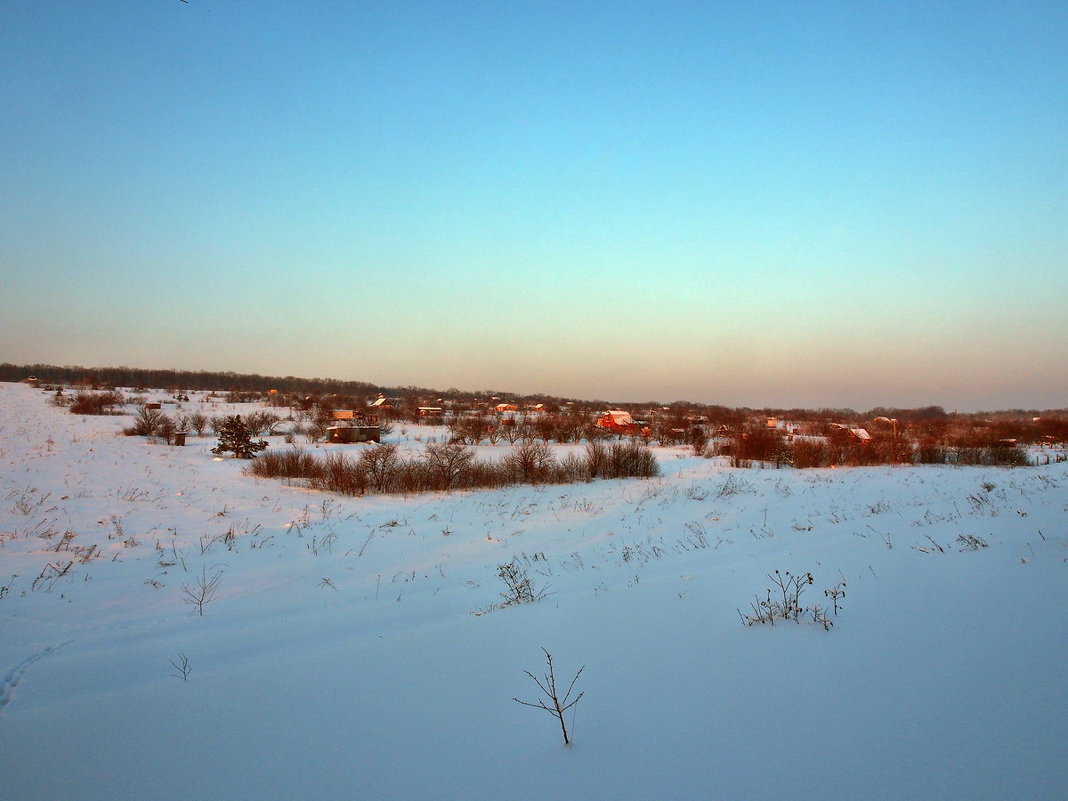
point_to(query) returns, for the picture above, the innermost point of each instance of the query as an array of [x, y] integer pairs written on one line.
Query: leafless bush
[[811, 453], [697, 438], [202, 592], [380, 465], [552, 702], [199, 423], [147, 423], [85, 402], [620, 460], [757, 443], [181, 667], [511, 430], [786, 603], [342, 474], [260, 422], [519, 589], [446, 463], [835, 593], [448, 466], [530, 461]]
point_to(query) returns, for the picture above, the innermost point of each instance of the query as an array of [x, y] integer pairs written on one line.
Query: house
[[621, 422], [852, 432], [501, 408]]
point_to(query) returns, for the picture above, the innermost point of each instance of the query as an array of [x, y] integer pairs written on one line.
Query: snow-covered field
[[352, 650]]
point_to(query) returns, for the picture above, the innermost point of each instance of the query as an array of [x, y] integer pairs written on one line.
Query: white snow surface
[[352, 651]]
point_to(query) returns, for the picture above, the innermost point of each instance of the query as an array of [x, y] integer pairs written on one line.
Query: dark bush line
[[767, 446], [440, 467]]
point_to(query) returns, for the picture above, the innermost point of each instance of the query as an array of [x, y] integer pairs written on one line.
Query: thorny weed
[[786, 603]]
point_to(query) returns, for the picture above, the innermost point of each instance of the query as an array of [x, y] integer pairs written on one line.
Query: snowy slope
[[352, 650]]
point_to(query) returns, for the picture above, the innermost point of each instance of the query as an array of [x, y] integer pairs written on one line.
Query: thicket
[[448, 466], [758, 445], [84, 402]]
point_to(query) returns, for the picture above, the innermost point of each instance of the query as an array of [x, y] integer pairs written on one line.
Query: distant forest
[[187, 379]]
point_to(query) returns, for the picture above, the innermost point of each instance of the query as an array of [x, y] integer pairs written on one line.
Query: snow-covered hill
[[354, 647]]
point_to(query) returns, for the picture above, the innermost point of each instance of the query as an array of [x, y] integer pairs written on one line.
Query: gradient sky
[[748, 203]]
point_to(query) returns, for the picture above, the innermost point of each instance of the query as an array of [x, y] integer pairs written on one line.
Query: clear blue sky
[[750, 203]]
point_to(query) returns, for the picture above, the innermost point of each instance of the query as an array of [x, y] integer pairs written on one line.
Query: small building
[[354, 433], [619, 421], [851, 432]]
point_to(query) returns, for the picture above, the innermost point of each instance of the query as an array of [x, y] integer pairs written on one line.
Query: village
[[797, 437]]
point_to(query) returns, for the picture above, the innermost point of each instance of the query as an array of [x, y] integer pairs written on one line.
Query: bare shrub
[[446, 463], [810, 453], [697, 438], [198, 422], [100, 403], [380, 466], [181, 667], [519, 589], [202, 591], [294, 463], [260, 422], [530, 462], [757, 443], [147, 423], [445, 466], [786, 605], [621, 460], [167, 429], [553, 703], [344, 475], [784, 602]]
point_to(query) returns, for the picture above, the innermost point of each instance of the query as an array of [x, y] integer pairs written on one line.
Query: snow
[[353, 649]]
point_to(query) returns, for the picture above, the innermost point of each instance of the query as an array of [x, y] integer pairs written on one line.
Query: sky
[[784, 204]]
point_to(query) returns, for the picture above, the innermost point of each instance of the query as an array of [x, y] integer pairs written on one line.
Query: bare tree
[[556, 705]]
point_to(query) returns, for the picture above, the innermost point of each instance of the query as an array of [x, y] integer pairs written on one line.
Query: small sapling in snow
[[202, 592], [553, 703], [181, 667], [834, 593]]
